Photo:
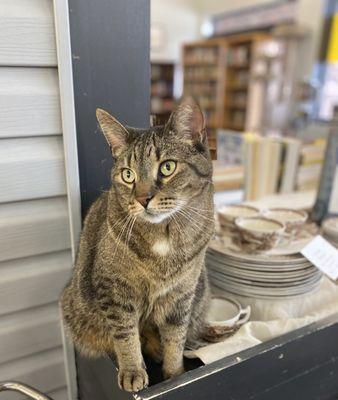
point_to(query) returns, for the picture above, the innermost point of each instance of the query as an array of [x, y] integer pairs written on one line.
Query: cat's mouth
[[157, 216]]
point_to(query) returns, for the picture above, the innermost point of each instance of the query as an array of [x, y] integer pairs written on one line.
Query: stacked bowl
[[260, 275], [257, 253]]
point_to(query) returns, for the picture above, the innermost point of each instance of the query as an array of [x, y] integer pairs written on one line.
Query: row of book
[[200, 73], [280, 165], [202, 55]]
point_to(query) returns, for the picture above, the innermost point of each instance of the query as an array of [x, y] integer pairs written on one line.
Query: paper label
[[322, 255]]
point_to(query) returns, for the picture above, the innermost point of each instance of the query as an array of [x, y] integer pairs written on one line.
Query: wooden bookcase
[[204, 64], [238, 72], [162, 91], [217, 72]]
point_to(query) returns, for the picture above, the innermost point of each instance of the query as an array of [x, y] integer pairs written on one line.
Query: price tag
[[323, 255]]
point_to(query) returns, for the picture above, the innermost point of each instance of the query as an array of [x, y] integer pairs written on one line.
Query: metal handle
[[24, 389], [245, 315]]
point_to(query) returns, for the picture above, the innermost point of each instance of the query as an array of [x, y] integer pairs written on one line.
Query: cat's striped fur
[[140, 273]]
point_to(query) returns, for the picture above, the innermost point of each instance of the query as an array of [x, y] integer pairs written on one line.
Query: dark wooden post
[[110, 48], [110, 42]]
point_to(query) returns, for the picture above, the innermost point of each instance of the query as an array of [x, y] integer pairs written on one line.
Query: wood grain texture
[[30, 331], [33, 281], [43, 371], [33, 227], [27, 33], [31, 168], [29, 102]]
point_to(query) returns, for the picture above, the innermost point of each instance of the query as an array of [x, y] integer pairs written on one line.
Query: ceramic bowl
[[292, 219], [258, 233], [228, 214], [225, 315]]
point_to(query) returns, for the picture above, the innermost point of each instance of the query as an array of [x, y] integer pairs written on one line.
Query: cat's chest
[[161, 247]]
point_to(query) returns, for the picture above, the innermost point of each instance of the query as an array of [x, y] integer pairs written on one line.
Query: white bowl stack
[[260, 275], [330, 230]]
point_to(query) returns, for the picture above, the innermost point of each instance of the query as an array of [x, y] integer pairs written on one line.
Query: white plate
[[226, 248], [287, 247], [256, 266], [271, 277], [250, 291], [265, 296], [222, 259], [262, 284], [264, 292]]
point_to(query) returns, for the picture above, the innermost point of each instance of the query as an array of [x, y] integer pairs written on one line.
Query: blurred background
[[265, 74]]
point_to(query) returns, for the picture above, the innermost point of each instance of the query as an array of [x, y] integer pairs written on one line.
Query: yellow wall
[[332, 54]]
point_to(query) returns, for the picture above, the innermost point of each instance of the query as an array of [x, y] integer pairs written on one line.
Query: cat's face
[[157, 171]]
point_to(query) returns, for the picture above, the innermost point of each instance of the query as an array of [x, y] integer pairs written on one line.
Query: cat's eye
[[128, 175], [167, 168]]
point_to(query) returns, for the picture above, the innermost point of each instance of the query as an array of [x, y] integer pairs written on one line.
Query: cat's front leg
[[173, 336], [132, 375], [173, 340], [118, 305]]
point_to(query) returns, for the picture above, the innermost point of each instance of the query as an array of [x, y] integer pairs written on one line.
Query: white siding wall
[[35, 257]]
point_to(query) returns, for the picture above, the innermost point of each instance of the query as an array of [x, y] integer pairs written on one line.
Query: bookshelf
[[203, 71], [162, 91], [239, 59], [217, 72]]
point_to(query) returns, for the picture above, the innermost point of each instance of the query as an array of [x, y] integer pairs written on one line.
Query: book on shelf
[[162, 96], [310, 165], [227, 177], [280, 165], [228, 173], [291, 154]]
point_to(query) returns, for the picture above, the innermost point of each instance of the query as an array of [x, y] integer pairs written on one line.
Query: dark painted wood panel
[[300, 365], [111, 68]]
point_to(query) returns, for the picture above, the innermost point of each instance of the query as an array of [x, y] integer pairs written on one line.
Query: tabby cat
[[139, 278]]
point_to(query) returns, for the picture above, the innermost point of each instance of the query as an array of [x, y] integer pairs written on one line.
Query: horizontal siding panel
[[33, 281], [29, 102], [33, 227], [27, 35], [44, 371], [28, 332], [31, 168]]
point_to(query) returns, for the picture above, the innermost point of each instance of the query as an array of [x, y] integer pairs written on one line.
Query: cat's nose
[[144, 200]]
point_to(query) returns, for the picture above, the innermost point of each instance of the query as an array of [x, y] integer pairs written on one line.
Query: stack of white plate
[[260, 275], [330, 230]]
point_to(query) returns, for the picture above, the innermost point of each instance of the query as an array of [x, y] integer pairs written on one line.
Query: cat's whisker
[[198, 225], [130, 230], [109, 230], [128, 233], [172, 218], [196, 213], [119, 237], [199, 209], [183, 204], [195, 218]]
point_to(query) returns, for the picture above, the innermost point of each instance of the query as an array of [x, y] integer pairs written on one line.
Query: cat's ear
[[115, 133], [187, 120]]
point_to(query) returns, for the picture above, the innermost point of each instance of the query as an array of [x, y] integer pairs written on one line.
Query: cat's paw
[[171, 373], [133, 380]]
